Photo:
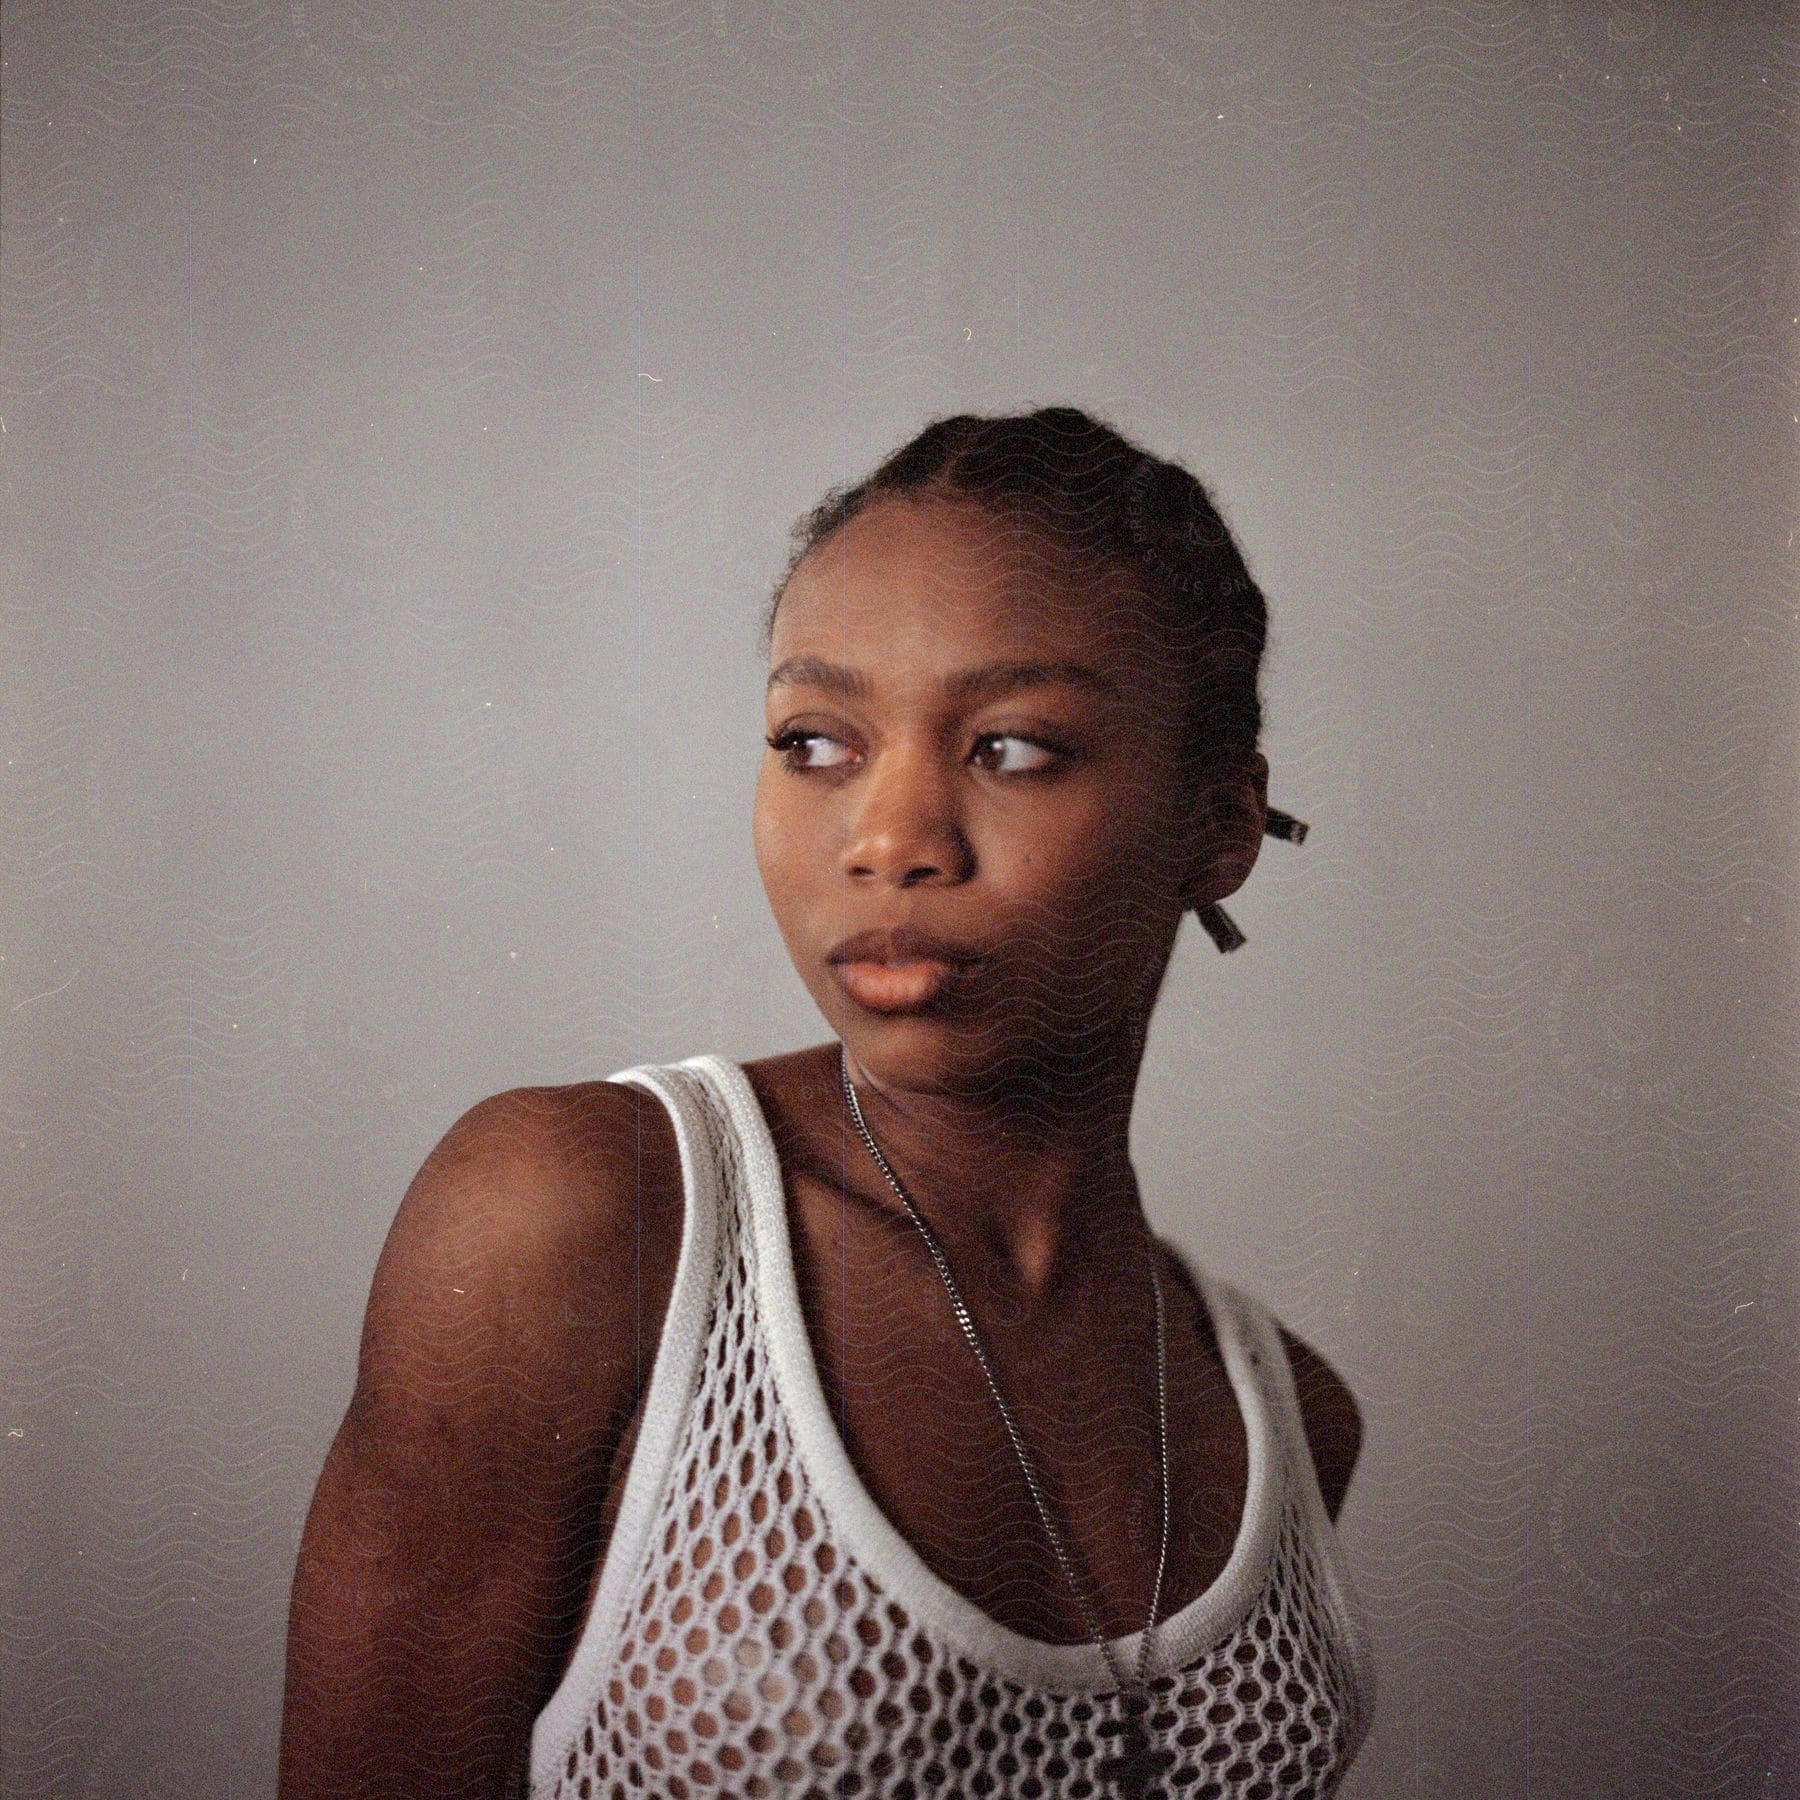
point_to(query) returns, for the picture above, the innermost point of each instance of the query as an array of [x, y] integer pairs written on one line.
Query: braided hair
[[1101, 495]]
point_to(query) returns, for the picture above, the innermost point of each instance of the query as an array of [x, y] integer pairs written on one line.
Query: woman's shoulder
[[1329, 1414], [580, 1157], [535, 1232]]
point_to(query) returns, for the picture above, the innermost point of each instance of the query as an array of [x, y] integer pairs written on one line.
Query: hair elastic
[[1220, 926]]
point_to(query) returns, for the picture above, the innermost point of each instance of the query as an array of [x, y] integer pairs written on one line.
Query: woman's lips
[[895, 987]]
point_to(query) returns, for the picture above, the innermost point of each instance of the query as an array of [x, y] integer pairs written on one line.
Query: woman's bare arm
[[445, 1557]]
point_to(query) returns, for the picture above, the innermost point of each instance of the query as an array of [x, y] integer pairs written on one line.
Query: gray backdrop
[[404, 406]]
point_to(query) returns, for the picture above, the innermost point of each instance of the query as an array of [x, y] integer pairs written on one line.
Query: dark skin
[[457, 1535]]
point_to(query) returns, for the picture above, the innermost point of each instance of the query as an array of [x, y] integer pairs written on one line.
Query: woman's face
[[976, 741]]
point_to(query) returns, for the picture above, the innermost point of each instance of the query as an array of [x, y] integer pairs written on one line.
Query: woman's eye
[[792, 745], [1027, 757]]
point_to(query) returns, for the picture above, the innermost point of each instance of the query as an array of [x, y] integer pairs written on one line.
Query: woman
[[835, 1423]]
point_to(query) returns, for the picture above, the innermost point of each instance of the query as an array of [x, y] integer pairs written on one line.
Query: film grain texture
[[404, 407]]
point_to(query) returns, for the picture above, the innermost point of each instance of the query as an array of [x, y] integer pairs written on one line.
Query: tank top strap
[[680, 1360], [1288, 1424], [1256, 1335]]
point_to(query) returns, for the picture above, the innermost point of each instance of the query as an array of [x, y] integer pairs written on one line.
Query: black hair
[[1098, 494]]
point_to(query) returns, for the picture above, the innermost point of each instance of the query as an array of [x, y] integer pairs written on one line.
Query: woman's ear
[[1231, 816]]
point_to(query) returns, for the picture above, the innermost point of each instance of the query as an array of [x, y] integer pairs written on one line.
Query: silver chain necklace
[[1018, 1442]]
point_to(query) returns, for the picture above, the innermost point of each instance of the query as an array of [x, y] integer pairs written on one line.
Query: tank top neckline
[[890, 1559]]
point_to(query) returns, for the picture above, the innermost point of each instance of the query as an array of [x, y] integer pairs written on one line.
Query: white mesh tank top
[[761, 1629]]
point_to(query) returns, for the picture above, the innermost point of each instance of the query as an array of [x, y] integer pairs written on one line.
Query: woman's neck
[[1035, 1194]]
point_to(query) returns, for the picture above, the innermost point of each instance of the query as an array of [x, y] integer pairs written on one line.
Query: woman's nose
[[903, 827]]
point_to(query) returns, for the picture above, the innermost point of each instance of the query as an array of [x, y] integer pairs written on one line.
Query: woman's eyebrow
[[985, 682]]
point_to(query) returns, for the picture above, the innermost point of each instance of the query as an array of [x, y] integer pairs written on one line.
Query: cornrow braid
[[1101, 495]]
